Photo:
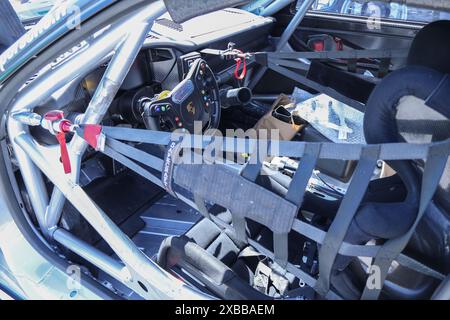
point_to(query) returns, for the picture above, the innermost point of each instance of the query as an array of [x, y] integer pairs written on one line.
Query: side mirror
[[183, 10]]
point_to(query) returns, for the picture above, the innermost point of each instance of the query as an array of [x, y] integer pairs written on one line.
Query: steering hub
[[195, 99]]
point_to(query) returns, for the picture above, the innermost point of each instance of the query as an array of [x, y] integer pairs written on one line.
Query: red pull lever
[[65, 159], [64, 127], [239, 62]]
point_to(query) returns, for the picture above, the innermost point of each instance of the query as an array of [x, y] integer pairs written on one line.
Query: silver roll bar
[[123, 41], [140, 273], [117, 70]]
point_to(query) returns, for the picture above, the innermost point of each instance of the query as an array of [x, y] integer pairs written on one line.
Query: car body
[[32, 10]]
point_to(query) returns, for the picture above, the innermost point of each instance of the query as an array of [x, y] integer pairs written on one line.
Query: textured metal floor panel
[[166, 217]]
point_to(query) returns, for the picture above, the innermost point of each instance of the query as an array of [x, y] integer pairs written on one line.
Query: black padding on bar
[[380, 125]]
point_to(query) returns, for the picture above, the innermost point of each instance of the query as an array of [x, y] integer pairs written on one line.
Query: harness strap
[[170, 159], [251, 172], [353, 250], [325, 55], [132, 165], [221, 185], [135, 154], [344, 217], [200, 203], [329, 150], [297, 188]]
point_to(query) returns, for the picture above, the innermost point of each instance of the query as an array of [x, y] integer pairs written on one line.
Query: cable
[[327, 184]]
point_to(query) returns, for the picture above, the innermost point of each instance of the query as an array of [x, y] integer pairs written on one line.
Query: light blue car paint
[[30, 275], [48, 30]]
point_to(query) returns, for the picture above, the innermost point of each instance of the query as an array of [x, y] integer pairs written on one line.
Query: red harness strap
[[64, 127], [65, 159]]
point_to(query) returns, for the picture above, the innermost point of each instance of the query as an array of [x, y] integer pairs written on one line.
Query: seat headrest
[[431, 47]]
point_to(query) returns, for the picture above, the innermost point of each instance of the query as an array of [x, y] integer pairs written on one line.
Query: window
[[32, 10], [380, 9]]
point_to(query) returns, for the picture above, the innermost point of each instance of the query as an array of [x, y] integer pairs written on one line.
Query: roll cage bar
[[120, 43]]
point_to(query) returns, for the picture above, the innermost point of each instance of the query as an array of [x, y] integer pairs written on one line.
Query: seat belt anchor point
[[101, 142]]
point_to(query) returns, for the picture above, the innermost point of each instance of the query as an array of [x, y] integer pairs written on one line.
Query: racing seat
[[226, 266]]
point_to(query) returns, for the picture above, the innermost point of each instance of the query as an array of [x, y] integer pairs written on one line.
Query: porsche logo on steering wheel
[[191, 108]]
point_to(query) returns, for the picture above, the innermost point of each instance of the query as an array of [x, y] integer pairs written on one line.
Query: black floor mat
[[122, 198]]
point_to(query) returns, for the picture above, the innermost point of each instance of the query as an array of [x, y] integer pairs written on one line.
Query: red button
[[177, 119]]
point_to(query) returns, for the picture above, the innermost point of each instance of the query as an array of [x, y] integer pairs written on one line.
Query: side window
[[32, 10], [380, 9]]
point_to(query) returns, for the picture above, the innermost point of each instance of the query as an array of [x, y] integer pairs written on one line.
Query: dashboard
[[171, 48], [164, 62]]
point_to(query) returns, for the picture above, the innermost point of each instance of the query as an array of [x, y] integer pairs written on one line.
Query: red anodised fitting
[[64, 127], [239, 61]]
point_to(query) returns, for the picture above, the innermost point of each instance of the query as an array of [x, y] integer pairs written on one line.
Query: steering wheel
[[194, 101]]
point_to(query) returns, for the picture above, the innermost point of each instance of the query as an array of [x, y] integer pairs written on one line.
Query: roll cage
[[120, 43]]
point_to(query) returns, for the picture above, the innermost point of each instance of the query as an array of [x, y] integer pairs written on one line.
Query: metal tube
[[32, 177], [91, 254], [257, 6], [265, 97], [105, 93], [146, 277], [275, 7], [292, 26], [52, 79]]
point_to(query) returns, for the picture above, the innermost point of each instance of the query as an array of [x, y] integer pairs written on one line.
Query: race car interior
[[224, 70]]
